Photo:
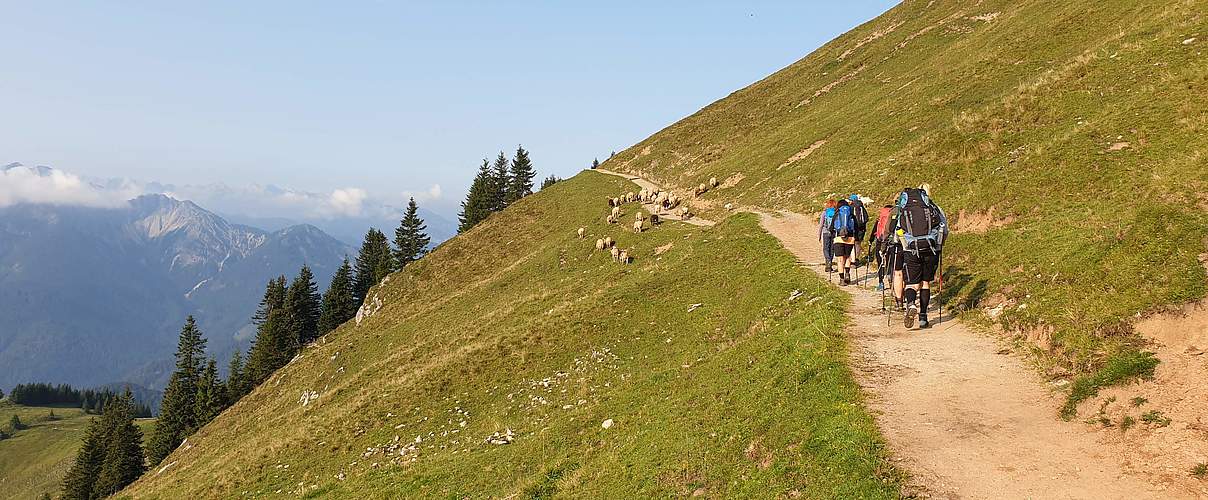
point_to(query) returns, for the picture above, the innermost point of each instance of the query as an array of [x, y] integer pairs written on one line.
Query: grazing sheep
[[713, 181], [660, 201], [612, 219], [684, 213], [630, 197], [610, 204], [639, 215], [624, 256], [608, 242], [729, 206], [616, 202], [637, 226], [654, 219], [582, 232], [599, 243], [616, 254], [673, 201], [701, 189], [616, 211]]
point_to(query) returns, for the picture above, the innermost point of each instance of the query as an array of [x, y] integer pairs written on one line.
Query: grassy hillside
[[518, 328], [1064, 137], [35, 459]]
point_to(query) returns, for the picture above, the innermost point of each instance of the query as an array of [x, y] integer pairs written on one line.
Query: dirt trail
[[962, 415]]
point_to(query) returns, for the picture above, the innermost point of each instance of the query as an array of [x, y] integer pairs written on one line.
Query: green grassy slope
[[35, 459], [1080, 125], [520, 325]]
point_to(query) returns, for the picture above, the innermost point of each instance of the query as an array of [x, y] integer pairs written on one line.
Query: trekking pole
[[939, 294]]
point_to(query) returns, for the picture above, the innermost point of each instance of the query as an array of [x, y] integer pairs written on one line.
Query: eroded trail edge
[[961, 415]]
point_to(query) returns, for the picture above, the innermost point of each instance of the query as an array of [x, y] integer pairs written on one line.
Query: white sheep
[[624, 256], [729, 206], [612, 219], [684, 213], [608, 242], [637, 226], [616, 211], [639, 215], [630, 197], [713, 181], [701, 189], [599, 243], [616, 254], [582, 232]]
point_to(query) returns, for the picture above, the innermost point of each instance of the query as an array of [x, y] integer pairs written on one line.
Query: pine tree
[[595, 163], [236, 385], [500, 179], [302, 306], [209, 400], [79, 481], [339, 305], [272, 341], [478, 202], [123, 451], [177, 414], [374, 262], [521, 182], [14, 424], [411, 238], [549, 181]]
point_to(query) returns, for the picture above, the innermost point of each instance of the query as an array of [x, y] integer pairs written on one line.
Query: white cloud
[[21, 184], [347, 202]]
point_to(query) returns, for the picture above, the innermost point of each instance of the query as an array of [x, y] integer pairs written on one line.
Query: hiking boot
[[923, 323], [880, 286], [912, 312]]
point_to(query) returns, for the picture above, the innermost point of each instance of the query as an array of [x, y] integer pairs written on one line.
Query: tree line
[[290, 315], [90, 400]]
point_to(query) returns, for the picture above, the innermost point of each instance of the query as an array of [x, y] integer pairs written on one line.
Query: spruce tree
[[123, 452], [374, 262], [177, 414], [236, 385], [302, 305], [80, 479], [14, 424], [521, 182], [272, 337], [500, 179], [210, 394], [478, 204], [411, 238], [549, 181], [339, 305]]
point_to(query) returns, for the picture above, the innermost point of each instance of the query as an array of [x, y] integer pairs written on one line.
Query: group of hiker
[[905, 241]]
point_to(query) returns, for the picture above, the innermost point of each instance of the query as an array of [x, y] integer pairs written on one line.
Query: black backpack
[[920, 222]]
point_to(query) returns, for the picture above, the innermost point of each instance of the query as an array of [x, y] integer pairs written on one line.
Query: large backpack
[[919, 221], [845, 224], [828, 219], [883, 222], [860, 214]]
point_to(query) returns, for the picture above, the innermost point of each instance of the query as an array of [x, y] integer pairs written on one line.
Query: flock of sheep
[[662, 200]]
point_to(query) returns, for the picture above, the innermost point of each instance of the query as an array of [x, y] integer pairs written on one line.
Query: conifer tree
[[478, 204], [521, 182], [14, 424], [549, 181], [272, 342], [236, 385], [500, 179], [209, 400], [595, 163], [302, 305], [80, 479], [374, 262], [339, 305], [177, 414], [411, 238], [123, 451]]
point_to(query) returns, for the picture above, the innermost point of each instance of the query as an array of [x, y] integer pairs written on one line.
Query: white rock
[[606, 424]]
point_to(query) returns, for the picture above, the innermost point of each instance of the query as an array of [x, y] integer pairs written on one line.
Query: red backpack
[[883, 222]]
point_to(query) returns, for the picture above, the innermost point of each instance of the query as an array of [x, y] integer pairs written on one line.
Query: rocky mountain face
[[90, 296]]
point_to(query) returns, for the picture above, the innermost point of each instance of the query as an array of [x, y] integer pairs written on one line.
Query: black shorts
[[841, 249], [894, 254], [919, 268]]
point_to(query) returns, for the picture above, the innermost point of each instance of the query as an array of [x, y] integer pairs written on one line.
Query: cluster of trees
[[496, 186], [112, 455], [90, 400]]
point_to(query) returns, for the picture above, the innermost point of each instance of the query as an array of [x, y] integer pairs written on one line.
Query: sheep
[[639, 215], [729, 206], [612, 219], [599, 243], [624, 256], [654, 219], [673, 200], [662, 199], [713, 181], [637, 226], [684, 213], [616, 202], [582, 232], [616, 254], [616, 211], [630, 197], [610, 203], [608, 242]]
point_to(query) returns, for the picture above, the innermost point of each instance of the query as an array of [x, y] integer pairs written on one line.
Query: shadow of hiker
[[962, 290]]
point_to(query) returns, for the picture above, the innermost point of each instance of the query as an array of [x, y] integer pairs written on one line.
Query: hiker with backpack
[[860, 215], [826, 232], [845, 240], [922, 228]]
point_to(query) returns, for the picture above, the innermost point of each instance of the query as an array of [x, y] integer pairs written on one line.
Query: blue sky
[[386, 97]]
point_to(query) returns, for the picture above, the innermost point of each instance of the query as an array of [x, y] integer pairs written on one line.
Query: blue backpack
[[845, 224], [828, 218]]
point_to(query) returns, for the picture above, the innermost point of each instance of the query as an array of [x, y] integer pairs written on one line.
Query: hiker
[[878, 242], [889, 250], [826, 233], [844, 240], [860, 215], [922, 228]]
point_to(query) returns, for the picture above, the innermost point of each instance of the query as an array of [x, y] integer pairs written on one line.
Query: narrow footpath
[[962, 415]]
